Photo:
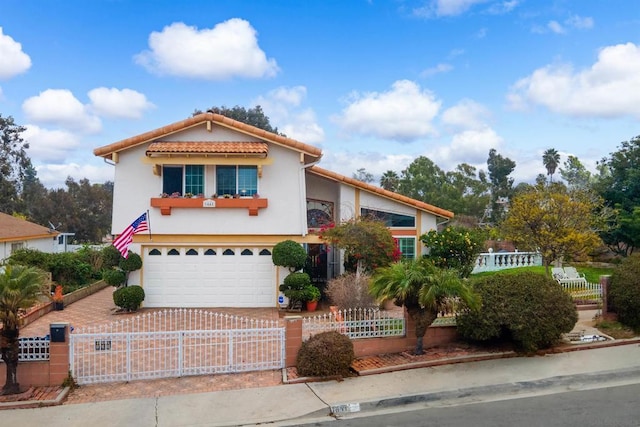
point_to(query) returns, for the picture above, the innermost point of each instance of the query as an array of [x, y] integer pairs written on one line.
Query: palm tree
[[20, 288], [423, 289], [551, 160], [390, 180]]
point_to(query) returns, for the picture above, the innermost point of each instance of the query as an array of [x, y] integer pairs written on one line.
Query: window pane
[[225, 180], [194, 179], [390, 219], [407, 246], [172, 179], [247, 180]]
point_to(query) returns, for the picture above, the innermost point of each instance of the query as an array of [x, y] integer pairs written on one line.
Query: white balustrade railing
[[492, 261]]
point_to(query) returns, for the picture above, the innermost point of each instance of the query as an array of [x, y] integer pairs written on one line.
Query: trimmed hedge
[[129, 298], [530, 309], [624, 292], [325, 354]]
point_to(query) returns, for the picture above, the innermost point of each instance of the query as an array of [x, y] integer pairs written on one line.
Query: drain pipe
[[303, 201]]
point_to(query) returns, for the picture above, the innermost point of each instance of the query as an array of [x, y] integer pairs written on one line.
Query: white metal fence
[[583, 291], [173, 343], [33, 348], [356, 323]]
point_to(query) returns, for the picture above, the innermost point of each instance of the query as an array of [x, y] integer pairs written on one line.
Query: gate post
[[59, 356], [292, 338]]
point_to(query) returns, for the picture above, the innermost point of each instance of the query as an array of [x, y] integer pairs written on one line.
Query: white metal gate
[[174, 343]]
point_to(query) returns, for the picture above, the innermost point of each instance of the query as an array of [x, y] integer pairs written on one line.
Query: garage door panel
[[209, 280]]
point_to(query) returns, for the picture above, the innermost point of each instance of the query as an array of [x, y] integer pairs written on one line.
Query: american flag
[[126, 237]]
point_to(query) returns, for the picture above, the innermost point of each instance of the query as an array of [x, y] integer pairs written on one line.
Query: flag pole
[[149, 225]]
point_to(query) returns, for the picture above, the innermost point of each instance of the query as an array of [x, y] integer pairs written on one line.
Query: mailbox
[[57, 331]]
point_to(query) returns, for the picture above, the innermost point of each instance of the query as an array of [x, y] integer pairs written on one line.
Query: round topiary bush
[[624, 292], [325, 354], [532, 310], [129, 298], [114, 277], [289, 254]]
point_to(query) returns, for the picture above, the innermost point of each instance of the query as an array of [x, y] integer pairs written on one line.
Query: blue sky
[[374, 84]]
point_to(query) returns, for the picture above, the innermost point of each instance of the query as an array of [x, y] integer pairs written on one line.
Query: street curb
[[27, 404]]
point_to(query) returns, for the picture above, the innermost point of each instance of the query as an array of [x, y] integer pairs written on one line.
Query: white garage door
[[209, 277]]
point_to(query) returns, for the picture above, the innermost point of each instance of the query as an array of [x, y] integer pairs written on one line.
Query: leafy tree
[[364, 176], [467, 192], [289, 254], [575, 174], [14, 163], [551, 160], [251, 116], [423, 180], [390, 180], [454, 248], [501, 184], [20, 288], [367, 242], [555, 222], [423, 289], [619, 185]]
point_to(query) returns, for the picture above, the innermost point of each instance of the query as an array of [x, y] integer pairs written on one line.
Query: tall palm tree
[[423, 289], [20, 288], [551, 160], [390, 180]]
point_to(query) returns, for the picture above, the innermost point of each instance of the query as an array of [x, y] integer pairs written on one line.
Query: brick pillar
[[604, 282], [292, 338], [59, 358]]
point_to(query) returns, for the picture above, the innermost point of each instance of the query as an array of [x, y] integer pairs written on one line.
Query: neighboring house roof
[[381, 191], [206, 147], [15, 229], [107, 151]]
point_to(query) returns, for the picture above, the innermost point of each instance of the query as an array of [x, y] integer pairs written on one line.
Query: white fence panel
[[356, 323], [168, 344]]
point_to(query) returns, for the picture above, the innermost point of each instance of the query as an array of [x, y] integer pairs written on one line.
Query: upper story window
[[242, 180], [183, 179], [390, 219], [319, 213]]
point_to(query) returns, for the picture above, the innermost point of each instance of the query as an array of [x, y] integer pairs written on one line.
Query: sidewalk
[[299, 403]]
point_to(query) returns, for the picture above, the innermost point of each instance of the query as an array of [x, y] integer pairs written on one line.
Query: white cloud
[[49, 146], [125, 103], [403, 113], [608, 89], [579, 22], [59, 107], [555, 27], [467, 114], [469, 146], [503, 7], [440, 68], [283, 107], [13, 60], [376, 163], [54, 175], [228, 50], [446, 7]]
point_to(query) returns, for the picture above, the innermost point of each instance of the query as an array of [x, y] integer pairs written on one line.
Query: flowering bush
[[368, 244], [454, 247]]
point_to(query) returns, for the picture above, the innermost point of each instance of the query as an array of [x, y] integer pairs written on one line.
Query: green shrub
[[624, 292], [530, 309], [114, 277], [295, 287], [110, 257], [67, 268], [129, 298], [454, 247], [31, 258], [325, 354], [289, 254]]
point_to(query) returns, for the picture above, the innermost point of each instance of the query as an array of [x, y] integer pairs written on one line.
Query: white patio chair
[[573, 275], [558, 273]]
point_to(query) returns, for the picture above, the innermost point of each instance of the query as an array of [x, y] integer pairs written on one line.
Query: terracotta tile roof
[[13, 229], [205, 147], [381, 191], [107, 150]]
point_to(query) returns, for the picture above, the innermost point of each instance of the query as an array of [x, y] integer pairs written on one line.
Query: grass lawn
[[592, 274]]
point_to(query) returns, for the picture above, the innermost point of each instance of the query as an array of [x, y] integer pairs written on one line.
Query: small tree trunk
[[9, 346], [423, 318]]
